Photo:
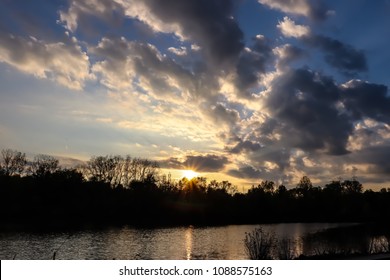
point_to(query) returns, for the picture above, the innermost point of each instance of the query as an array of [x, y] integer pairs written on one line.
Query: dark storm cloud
[[339, 55], [246, 172], [222, 114], [268, 127], [251, 62], [366, 99], [200, 163], [305, 103], [311, 112], [171, 162], [230, 138], [245, 146], [278, 156], [208, 22], [288, 54], [210, 25], [206, 163]]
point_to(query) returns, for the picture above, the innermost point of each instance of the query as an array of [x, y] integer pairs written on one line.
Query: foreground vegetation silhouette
[[116, 190], [350, 242]]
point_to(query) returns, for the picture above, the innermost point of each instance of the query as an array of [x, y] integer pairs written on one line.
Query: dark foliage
[[65, 198]]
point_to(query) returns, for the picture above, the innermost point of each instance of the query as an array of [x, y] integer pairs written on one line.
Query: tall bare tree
[[43, 165], [118, 170], [102, 168], [13, 162]]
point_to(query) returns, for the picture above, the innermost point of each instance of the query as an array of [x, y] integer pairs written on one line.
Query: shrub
[[286, 249], [259, 244]]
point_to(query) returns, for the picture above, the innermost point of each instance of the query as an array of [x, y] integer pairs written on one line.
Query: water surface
[[225, 242]]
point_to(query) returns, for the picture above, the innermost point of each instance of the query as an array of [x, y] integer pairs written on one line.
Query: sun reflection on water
[[189, 242]]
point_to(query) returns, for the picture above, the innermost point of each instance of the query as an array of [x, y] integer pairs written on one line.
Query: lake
[[223, 242]]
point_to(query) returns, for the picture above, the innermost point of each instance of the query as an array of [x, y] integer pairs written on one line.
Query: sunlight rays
[[189, 174]]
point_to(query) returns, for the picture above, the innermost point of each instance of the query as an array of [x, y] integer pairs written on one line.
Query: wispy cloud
[[313, 9]]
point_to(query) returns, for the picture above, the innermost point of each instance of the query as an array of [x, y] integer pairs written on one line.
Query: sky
[[238, 90]]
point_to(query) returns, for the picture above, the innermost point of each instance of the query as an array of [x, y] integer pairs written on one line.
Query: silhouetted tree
[[224, 186], [267, 186], [281, 190], [13, 162], [43, 165], [334, 187], [120, 189], [304, 186], [352, 186], [145, 170], [102, 168], [117, 170], [71, 177]]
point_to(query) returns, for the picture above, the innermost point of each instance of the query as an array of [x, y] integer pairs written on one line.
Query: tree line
[[115, 170], [109, 190]]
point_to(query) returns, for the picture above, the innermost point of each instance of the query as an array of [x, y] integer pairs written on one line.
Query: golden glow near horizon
[[189, 174]]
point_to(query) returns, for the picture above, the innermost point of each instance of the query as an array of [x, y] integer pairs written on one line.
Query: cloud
[[246, 172], [68, 162], [195, 47], [245, 146], [366, 99], [303, 120], [275, 157], [81, 12], [222, 115], [206, 163], [140, 11], [341, 56], [208, 23], [304, 102], [251, 63], [127, 64], [182, 51], [314, 9], [200, 80], [287, 54], [308, 123], [368, 132], [370, 163], [142, 69], [210, 28], [172, 162], [290, 29], [82, 15], [63, 62], [200, 163]]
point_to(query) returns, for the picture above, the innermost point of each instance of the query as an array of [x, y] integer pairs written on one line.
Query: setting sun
[[189, 174]]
